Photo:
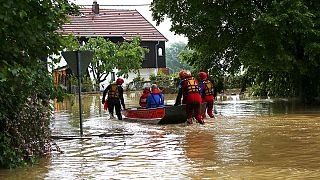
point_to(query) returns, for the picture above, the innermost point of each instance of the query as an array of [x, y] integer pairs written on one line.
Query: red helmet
[[187, 73], [184, 74], [203, 75], [119, 81], [181, 74]]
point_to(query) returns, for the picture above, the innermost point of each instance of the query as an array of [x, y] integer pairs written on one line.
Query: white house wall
[[144, 73]]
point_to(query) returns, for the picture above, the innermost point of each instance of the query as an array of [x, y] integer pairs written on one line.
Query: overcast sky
[[144, 11]]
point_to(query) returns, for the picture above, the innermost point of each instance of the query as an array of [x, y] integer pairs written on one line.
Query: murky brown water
[[248, 139]]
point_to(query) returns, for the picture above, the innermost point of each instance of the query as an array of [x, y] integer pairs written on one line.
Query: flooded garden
[[247, 139]]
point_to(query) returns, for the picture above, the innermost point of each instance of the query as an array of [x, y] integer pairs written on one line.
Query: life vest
[[208, 88], [143, 100], [113, 92], [191, 86]]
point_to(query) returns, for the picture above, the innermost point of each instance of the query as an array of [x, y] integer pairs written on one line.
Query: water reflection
[[248, 139], [200, 145]]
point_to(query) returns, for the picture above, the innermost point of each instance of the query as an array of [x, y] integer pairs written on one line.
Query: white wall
[[144, 73]]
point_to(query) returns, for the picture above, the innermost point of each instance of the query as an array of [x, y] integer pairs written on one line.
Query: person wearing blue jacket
[[155, 98]]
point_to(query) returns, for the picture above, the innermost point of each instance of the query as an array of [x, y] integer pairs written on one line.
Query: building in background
[[61, 77], [120, 25]]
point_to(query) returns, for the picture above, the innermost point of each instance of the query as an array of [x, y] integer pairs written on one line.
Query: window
[[82, 43], [160, 52], [113, 76]]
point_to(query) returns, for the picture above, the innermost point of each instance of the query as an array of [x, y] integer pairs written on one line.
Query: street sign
[[78, 61], [85, 58]]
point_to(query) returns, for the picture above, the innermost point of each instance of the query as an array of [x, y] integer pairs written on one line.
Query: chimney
[[95, 7]]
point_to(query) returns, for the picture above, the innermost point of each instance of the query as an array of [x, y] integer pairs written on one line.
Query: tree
[[172, 57], [125, 56], [277, 37], [28, 35], [104, 57], [129, 57]]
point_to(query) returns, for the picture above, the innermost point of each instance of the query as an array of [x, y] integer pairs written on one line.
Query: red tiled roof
[[112, 23]]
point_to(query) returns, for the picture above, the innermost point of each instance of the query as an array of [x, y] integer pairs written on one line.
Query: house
[[119, 25], [61, 78]]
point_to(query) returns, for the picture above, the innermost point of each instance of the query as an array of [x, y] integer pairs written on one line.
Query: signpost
[[78, 61]]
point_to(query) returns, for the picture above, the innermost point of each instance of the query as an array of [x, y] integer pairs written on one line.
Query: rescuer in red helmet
[[189, 89], [115, 98], [206, 91]]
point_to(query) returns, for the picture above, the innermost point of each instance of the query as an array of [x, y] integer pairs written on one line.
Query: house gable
[[119, 25], [112, 23]]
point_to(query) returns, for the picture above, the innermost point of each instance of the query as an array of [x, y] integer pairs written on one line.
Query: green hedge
[[24, 113]]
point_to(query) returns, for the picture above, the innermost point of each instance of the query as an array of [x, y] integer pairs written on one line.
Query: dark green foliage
[[28, 35], [233, 82], [24, 112], [219, 87], [167, 83], [279, 40]]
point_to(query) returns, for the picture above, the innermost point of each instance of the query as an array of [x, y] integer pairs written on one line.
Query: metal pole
[[156, 47], [79, 85]]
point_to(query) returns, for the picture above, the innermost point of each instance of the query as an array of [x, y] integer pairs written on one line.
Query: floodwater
[[247, 139]]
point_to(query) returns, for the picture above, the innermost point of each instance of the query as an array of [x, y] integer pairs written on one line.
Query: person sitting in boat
[[155, 98], [206, 91], [115, 98], [143, 97], [189, 89]]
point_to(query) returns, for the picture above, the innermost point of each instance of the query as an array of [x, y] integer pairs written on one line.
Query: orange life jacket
[[191, 86], [208, 90], [113, 92]]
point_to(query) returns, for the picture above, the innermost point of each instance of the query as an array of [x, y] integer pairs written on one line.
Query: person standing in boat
[[206, 88], [155, 98], [143, 97], [115, 98], [189, 90]]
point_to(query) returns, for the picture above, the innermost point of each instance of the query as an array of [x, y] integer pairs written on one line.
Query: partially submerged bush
[[25, 136], [24, 113], [28, 35]]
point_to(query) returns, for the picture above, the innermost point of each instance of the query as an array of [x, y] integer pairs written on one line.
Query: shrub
[[24, 114], [167, 83]]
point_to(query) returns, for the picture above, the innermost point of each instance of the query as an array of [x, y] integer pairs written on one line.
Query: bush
[[137, 83], [167, 83], [24, 113], [29, 35]]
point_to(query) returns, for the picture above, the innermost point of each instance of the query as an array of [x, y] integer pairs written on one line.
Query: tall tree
[[276, 37], [103, 59]]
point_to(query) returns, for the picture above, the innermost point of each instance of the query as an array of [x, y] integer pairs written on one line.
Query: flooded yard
[[247, 139]]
